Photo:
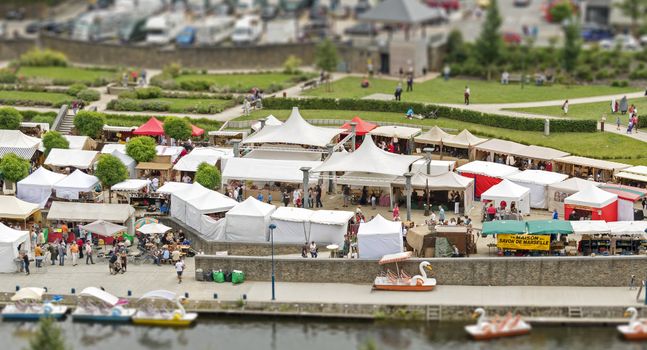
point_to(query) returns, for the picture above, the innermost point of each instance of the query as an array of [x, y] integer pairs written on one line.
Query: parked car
[[361, 29], [521, 3], [15, 15], [317, 28], [361, 7], [186, 37], [594, 32], [625, 41], [33, 27], [269, 12], [511, 38], [448, 5]]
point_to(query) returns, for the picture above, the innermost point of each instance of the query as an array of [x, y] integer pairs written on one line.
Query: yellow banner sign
[[525, 242]]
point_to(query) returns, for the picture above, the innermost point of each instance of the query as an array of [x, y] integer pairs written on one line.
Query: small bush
[[127, 104], [638, 74], [583, 72], [149, 92], [620, 83], [89, 95], [75, 88], [173, 70], [128, 94], [292, 64], [43, 119], [195, 85], [43, 58], [7, 76]]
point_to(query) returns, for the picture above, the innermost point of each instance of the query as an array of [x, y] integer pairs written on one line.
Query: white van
[[247, 30], [213, 30], [164, 28]]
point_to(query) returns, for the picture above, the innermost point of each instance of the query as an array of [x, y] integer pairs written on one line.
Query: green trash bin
[[218, 276], [237, 277]]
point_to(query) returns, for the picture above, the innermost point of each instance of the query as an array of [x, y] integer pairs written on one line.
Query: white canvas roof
[[331, 217], [173, 187], [637, 173], [591, 196], [88, 212], [267, 170], [368, 158], [111, 147], [10, 239], [14, 141], [590, 226], [435, 135], [251, 207], [104, 228], [100, 294], [488, 169], [76, 142], [464, 139], [269, 120], [294, 131], [436, 167], [191, 161], [401, 132], [593, 163], [379, 225], [500, 146], [130, 185], [212, 202], [539, 152], [504, 190], [572, 185], [191, 191], [627, 227], [37, 187], [14, 208], [119, 128], [9, 235], [292, 214], [379, 237], [74, 183], [248, 221], [127, 161], [446, 181], [71, 158], [297, 154], [539, 177], [366, 179], [173, 151]]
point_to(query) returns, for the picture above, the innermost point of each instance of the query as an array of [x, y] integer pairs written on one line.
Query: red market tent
[[195, 131], [153, 127], [362, 128], [592, 203], [627, 196]]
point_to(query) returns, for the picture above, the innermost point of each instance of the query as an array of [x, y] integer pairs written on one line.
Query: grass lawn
[[39, 98], [588, 110], [183, 104], [66, 74], [451, 91], [241, 81], [595, 145]]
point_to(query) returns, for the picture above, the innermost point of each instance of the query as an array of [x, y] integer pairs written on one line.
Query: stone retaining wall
[[497, 271], [12, 49]]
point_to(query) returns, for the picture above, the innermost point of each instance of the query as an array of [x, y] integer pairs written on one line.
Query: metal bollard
[[17, 288], [186, 295], [73, 291], [130, 293], [215, 295], [244, 296]]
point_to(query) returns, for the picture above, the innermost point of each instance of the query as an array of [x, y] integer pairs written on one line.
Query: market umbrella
[[195, 131], [104, 228], [153, 228], [144, 221]]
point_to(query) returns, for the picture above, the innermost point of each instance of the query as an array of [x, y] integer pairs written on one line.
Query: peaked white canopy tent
[[14, 141], [449, 181], [270, 120], [268, 170], [75, 158], [379, 237], [537, 181], [15, 209], [130, 185], [10, 239], [88, 212], [557, 192], [329, 226], [295, 131], [509, 192], [599, 204], [171, 187], [433, 136], [209, 155], [37, 187], [79, 142], [75, 183], [292, 224], [485, 174], [172, 151], [104, 228], [180, 198], [249, 221], [129, 162], [210, 202], [464, 139]]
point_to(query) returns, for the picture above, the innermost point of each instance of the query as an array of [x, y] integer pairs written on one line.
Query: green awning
[[503, 227], [543, 227]]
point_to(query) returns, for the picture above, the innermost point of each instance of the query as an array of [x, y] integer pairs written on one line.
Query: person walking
[[286, 198], [396, 213], [624, 105], [38, 254], [398, 92], [88, 253], [446, 71], [565, 107], [410, 83], [74, 251], [179, 269], [318, 202], [124, 260], [53, 252], [25, 263], [441, 213], [62, 250], [466, 95]]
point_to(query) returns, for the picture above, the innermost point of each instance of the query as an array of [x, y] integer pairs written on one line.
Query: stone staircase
[[66, 124]]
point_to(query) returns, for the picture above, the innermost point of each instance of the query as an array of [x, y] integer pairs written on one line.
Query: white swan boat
[[154, 316], [96, 305], [28, 306], [486, 329], [400, 281], [636, 329]]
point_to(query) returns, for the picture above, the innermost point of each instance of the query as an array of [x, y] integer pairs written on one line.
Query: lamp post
[[236, 146], [330, 148], [306, 178], [428, 151], [272, 227], [353, 130], [407, 177]]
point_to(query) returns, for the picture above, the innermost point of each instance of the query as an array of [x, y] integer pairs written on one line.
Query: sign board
[[525, 242]]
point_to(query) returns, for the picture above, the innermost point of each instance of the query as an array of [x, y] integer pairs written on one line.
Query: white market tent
[[127, 161], [379, 237], [171, 187], [180, 198], [590, 227], [173, 151], [510, 192], [627, 227], [14, 141], [75, 183], [267, 170], [539, 153], [292, 224], [464, 139], [394, 131], [130, 185], [270, 120], [433, 136], [154, 227], [368, 158], [212, 229], [249, 221], [89, 212], [366, 179], [191, 161], [635, 173], [108, 148], [210, 202], [78, 142], [537, 181], [558, 191], [449, 181], [10, 239], [436, 167], [295, 131], [329, 226], [79, 159], [593, 163], [286, 153], [15, 209], [37, 187], [104, 228], [490, 169], [499, 146]]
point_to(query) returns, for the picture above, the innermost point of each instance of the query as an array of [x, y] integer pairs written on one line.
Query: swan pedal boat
[[401, 281], [28, 306], [176, 318], [487, 330], [110, 310], [636, 329]]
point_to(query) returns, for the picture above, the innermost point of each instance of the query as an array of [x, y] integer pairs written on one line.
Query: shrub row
[[33, 103], [494, 120], [136, 120], [135, 105], [167, 82]]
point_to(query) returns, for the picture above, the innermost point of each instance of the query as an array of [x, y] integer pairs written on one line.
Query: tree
[[141, 149], [572, 45], [208, 176], [456, 51], [489, 44], [292, 64], [110, 171], [326, 57], [561, 11], [89, 123], [14, 168], [635, 10], [54, 139], [10, 118], [48, 336], [177, 128]]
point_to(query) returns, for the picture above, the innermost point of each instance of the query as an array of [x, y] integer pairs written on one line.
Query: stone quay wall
[[13, 48], [497, 271]]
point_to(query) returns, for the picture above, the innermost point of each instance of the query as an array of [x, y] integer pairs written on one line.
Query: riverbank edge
[[546, 315]]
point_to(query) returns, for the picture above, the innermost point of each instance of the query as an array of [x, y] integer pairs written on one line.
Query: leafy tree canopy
[[10, 118], [141, 148], [54, 139], [110, 170], [177, 128], [208, 176], [89, 123], [14, 168]]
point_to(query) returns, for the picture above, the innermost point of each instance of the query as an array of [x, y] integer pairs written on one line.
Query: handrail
[[62, 113]]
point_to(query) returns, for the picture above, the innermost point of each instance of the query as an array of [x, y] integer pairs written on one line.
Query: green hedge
[[494, 120], [32, 103], [135, 105]]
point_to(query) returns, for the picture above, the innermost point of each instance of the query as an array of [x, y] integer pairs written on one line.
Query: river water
[[298, 334]]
